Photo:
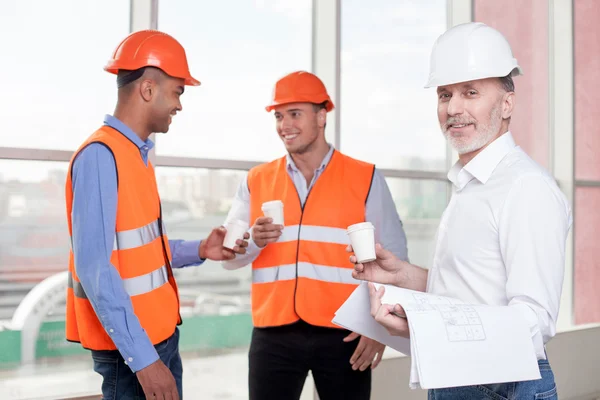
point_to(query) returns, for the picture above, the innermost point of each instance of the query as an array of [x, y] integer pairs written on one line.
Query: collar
[[483, 164], [292, 165], [117, 124]]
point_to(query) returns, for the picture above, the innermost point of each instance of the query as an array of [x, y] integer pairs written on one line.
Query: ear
[[508, 104], [322, 118], [147, 89]]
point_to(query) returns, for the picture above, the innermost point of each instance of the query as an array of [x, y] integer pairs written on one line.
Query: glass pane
[[587, 97], [215, 303], [34, 241], [387, 117], [34, 245], [58, 90], [238, 56], [587, 253], [525, 26], [420, 204], [194, 202]]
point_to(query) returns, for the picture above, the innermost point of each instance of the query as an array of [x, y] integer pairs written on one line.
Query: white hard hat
[[468, 52]]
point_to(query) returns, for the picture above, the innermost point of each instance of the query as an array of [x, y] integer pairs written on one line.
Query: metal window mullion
[[19, 153], [584, 183]]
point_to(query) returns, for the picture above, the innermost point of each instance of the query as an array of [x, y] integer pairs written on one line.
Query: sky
[[58, 93]]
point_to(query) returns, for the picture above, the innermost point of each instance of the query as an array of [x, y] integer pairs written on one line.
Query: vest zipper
[[302, 206], [168, 262], [298, 245]]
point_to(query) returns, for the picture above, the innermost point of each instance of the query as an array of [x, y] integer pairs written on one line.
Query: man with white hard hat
[[503, 235]]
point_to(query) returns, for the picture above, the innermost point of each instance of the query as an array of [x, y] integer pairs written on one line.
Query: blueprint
[[451, 343], [462, 321]]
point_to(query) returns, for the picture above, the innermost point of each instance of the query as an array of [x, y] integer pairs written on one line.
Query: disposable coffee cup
[[235, 230], [362, 238], [274, 209]]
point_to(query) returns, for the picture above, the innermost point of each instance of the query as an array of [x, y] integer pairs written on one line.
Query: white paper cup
[[362, 238], [274, 209], [235, 230]]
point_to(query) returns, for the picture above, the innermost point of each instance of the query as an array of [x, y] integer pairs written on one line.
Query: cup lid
[[272, 203], [359, 226]]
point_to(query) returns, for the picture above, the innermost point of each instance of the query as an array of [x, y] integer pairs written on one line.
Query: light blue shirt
[[94, 214]]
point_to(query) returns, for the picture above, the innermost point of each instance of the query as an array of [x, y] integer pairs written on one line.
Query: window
[[587, 252], [525, 26], [384, 66], [420, 204], [238, 50], [587, 136], [54, 54], [587, 163], [194, 202], [34, 241], [215, 302], [34, 245]]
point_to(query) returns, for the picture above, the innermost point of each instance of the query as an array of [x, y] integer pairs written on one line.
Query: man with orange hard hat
[[300, 271], [122, 298]]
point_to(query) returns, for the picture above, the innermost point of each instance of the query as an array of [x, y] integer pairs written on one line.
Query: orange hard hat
[[300, 87], [151, 48]]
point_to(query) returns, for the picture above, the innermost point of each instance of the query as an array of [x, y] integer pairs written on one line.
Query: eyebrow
[[289, 111], [464, 86]]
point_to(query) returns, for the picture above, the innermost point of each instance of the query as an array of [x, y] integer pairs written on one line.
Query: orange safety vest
[[140, 253], [307, 273]]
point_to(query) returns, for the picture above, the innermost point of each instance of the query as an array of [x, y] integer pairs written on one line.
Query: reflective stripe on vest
[[133, 238], [314, 234], [305, 270], [133, 286], [137, 237]]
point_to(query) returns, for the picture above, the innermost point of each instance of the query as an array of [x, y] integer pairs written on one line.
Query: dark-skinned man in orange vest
[[300, 271], [122, 298]]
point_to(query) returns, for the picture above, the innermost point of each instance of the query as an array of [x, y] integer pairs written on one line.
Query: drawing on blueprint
[[462, 321]]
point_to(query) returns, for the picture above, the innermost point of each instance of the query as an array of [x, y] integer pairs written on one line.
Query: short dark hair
[[125, 77], [507, 83], [320, 106]]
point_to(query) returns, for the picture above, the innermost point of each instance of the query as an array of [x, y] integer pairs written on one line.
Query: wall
[[574, 357]]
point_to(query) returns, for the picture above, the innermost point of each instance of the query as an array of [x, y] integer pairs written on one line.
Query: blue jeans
[[544, 388], [120, 383]]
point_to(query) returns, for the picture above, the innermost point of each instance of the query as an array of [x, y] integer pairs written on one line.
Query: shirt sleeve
[[381, 212], [533, 227], [185, 253], [94, 217], [240, 209]]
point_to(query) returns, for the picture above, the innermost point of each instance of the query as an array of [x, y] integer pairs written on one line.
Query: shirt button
[[130, 359], [111, 330]]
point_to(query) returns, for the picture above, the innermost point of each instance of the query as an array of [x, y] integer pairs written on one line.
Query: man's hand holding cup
[[371, 262], [269, 228], [265, 231]]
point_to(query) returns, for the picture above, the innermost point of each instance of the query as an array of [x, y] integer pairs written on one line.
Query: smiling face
[[299, 126], [473, 114], [166, 103], [159, 98]]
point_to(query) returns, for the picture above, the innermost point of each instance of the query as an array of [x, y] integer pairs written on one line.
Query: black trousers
[[281, 357]]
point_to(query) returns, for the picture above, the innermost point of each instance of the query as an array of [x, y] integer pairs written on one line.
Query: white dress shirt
[[502, 238], [380, 211]]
